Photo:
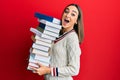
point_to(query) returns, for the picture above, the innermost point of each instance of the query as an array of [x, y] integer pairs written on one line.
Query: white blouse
[[65, 57]]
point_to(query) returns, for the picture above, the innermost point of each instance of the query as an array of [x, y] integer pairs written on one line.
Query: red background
[[100, 59]]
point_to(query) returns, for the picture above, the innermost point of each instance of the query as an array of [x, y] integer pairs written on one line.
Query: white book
[[50, 33], [52, 29], [48, 37], [42, 58], [43, 63], [56, 21], [33, 64], [32, 58], [50, 24], [39, 52], [49, 28], [42, 39], [42, 43], [29, 68], [37, 32], [41, 47]]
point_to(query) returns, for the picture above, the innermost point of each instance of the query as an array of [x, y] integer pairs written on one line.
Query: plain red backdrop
[[100, 59]]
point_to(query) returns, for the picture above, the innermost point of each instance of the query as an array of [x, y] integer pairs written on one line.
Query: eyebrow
[[72, 10]]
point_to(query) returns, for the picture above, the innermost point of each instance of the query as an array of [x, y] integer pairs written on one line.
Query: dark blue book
[[47, 18]]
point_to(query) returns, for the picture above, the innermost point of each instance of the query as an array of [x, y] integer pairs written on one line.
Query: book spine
[[43, 63], [31, 59], [33, 64], [52, 29], [50, 24], [43, 39], [40, 29], [48, 37], [56, 21], [41, 47], [42, 58], [39, 52], [29, 68], [51, 33], [42, 25], [37, 32], [45, 27], [47, 32], [43, 43], [48, 18]]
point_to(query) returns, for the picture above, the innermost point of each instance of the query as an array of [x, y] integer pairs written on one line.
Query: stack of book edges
[[45, 33]]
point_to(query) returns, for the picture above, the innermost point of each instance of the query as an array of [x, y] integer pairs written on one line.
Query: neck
[[67, 30]]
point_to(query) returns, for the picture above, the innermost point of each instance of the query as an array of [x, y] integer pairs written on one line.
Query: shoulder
[[72, 36], [73, 42]]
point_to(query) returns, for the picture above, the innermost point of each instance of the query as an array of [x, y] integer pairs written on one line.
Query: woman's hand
[[41, 70], [33, 38]]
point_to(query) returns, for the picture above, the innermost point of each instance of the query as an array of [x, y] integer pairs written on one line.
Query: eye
[[72, 14], [66, 11]]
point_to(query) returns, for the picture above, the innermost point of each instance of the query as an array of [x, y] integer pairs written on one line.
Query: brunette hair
[[79, 27]]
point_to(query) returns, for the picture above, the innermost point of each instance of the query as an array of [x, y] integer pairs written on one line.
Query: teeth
[[66, 20]]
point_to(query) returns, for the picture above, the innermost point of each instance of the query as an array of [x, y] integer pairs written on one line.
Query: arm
[[73, 66]]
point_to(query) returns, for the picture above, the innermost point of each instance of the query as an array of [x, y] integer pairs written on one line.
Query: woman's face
[[69, 17]]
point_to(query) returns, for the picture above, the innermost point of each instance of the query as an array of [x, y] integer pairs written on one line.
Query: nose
[[68, 15]]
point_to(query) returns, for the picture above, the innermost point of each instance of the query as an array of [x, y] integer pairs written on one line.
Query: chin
[[64, 26]]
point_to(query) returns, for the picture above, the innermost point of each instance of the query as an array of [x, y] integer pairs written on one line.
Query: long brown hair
[[79, 27]]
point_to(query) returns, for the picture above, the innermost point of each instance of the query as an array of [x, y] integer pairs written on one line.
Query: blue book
[[47, 18]]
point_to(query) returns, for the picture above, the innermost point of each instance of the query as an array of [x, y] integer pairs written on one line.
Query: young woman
[[65, 52]]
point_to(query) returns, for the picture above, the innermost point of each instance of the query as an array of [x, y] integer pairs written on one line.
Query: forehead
[[72, 8]]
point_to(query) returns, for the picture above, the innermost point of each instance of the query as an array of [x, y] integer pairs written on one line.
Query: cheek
[[74, 20], [63, 15]]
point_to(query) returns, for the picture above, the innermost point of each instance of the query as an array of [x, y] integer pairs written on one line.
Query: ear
[[76, 22]]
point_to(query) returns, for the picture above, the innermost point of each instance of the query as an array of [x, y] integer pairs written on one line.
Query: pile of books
[[46, 32]]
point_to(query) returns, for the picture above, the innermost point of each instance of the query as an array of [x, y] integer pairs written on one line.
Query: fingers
[[33, 38], [37, 70], [30, 50], [34, 68], [40, 65], [41, 70]]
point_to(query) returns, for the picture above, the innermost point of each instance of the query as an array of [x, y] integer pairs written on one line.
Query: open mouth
[[66, 21]]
